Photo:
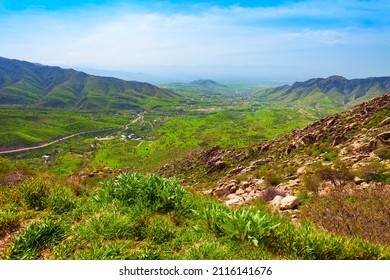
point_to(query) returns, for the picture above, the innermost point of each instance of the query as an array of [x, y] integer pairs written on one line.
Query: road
[[50, 143], [140, 117]]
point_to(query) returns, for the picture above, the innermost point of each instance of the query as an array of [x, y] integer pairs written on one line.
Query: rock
[[244, 184], [356, 146], [208, 192], [307, 139], [233, 189], [384, 138], [259, 183], [248, 189], [259, 162], [108, 169], [289, 149], [358, 180], [301, 170], [234, 201], [385, 122], [289, 202], [276, 201], [220, 192], [338, 140], [240, 191], [235, 171]]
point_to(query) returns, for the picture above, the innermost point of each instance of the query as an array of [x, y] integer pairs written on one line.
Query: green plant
[[61, 200], [383, 152], [374, 171], [241, 224], [154, 192], [35, 193], [38, 235]]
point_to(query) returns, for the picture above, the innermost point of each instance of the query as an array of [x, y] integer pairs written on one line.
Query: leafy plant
[[241, 224], [156, 193], [38, 235]]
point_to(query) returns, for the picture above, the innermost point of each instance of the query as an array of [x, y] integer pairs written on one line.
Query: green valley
[[197, 170]]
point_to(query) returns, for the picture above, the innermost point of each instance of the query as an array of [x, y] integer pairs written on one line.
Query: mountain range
[[330, 92], [34, 84]]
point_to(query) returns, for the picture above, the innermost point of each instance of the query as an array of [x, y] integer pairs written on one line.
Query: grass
[[133, 216]]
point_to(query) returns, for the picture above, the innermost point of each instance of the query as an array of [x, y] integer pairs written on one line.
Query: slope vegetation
[[329, 92], [34, 84]]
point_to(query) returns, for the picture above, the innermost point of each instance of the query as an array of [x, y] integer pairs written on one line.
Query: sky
[[179, 40]]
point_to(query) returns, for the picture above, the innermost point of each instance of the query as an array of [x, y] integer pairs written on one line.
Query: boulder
[[276, 201], [289, 202]]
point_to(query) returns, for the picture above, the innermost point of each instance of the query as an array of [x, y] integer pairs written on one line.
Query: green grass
[[141, 217]]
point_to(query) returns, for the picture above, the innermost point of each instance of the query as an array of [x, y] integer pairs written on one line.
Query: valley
[[197, 170]]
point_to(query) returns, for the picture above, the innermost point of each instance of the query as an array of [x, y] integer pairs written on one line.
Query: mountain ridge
[[326, 92], [27, 83]]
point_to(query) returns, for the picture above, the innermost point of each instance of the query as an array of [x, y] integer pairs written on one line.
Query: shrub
[[154, 192], [310, 184], [273, 177], [374, 171], [61, 200], [240, 224], [362, 214], [383, 153], [35, 193]]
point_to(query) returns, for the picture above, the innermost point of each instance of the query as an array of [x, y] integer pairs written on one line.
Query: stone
[[234, 201], [240, 191], [358, 180], [276, 201], [289, 202], [301, 170], [385, 122], [220, 192], [244, 184]]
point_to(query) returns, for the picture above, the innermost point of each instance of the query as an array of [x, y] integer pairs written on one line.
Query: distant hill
[[329, 92], [38, 85], [203, 87]]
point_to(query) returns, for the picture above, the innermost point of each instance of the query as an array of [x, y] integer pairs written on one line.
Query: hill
[[338, 166], [329, 92], [34, 84]]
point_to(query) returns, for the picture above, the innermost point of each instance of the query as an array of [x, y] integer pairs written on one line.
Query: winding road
[[139, 117], [51, 143]]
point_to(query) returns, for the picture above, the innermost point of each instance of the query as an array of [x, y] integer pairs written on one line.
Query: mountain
[[329, 92], [347, 151], [38, 85]]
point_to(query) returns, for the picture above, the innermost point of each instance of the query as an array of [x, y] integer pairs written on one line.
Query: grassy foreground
[[141, 217]]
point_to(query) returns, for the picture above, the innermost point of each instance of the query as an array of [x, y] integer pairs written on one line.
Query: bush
[[35, 194], [154, 192], [383, 153], [373, 172], [240, 224], [61, 200], [362, 214]]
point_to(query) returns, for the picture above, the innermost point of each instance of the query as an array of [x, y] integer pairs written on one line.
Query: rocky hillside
[[329, 92], [38, 85], [348, 151]]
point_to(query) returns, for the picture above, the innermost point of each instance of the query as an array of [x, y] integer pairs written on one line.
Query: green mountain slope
[[329, 92], [34, 84]]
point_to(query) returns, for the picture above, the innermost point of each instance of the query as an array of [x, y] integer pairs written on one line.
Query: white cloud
[[121, 36]]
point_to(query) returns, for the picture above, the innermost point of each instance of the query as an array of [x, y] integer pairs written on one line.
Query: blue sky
[[264, 39]]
